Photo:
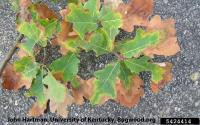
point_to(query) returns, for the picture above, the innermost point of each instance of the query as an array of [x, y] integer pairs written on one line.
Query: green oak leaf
[[27, 67], [37, 89], [137, 65], [99, 42], [104, 84], [72, 44], [125, 75], [92, 6], [111, 21], [32, 32], [142, 40], [28, 46], [83, 21], [67, 65], [51, 27], [56, 91]]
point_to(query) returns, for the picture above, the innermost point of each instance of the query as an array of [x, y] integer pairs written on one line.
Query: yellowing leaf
[[130, 97], [135, 13], [33, 33], [111, 22], [168, 45], [167, 77], [56, 91]]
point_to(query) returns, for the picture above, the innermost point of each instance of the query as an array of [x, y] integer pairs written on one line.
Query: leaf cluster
[[90, 26]]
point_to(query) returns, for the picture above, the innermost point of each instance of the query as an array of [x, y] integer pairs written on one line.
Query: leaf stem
[[10, 54], [120, 57]]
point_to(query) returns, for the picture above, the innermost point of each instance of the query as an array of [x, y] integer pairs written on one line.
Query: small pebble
[[76, 114], [197, 103], [5, 107], [165, 1], [16, 103], [196, 83], [195, 76]]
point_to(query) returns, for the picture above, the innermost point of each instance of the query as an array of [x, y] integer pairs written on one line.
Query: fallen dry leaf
[[85, 90], [60, 108], [167, 77], [135, 13], [130, 97], [36, 110], [168, 45]]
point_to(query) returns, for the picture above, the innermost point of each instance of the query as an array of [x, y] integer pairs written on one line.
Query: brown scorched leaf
[[36, 110], [62, 36], [85, 90], [135, 13], [130, 97], [167, 77], [11, 78], [60, 108], [45, 12], [168, 45]]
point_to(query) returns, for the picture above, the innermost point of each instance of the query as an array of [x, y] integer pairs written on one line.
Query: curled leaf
[[130, 97]]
